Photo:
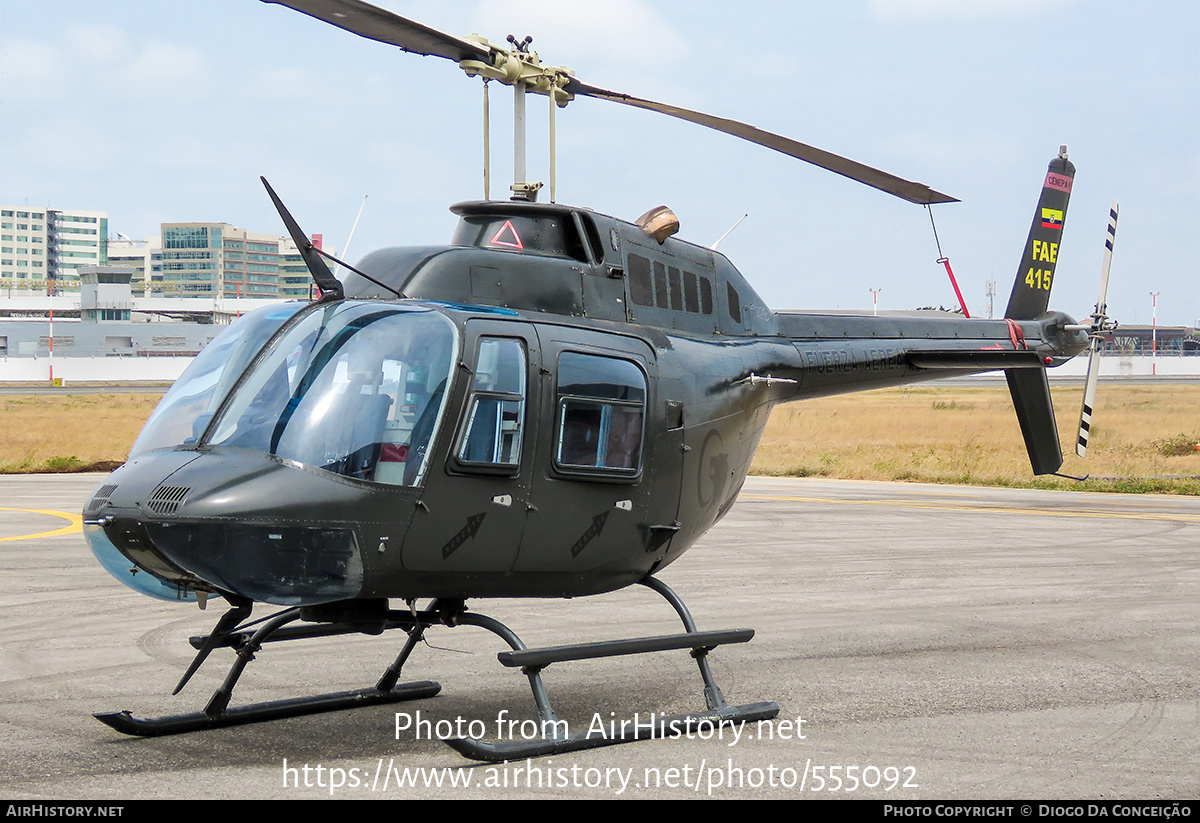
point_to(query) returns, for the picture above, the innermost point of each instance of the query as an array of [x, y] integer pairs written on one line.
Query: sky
[[169, 112]]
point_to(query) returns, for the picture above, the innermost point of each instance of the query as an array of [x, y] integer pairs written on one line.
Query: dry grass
[[1143, 438], [70, 432]]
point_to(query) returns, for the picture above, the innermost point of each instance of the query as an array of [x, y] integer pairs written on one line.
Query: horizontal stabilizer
[[1030, 391], [977, 360]]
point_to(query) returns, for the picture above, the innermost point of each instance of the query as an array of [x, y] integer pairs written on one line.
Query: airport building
[[104, 332], [133, 255], [1161, 341], [294, 280]]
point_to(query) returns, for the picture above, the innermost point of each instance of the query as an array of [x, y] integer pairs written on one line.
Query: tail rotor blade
[[1089, 397], [1109, 242], [1100, 322]]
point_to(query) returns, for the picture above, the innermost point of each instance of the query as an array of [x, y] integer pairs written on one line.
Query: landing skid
[[126, 723], [451, 613], [665, 728], [217, 713]]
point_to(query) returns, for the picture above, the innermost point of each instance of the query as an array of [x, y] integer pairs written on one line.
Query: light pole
[[1154, 333]]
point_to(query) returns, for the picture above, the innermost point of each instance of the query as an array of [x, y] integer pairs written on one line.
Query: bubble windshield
[[356, 389], [187, 408]]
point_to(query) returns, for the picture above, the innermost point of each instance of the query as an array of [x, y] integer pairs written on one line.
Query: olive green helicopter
[[556, 404]]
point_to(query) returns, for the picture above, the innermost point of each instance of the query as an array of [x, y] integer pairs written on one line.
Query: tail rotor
[[1100, 324]]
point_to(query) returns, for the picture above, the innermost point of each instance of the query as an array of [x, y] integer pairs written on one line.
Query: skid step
[[538, 658]]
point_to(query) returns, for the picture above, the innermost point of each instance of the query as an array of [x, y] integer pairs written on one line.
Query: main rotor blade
[[905, 189], [384, 26]]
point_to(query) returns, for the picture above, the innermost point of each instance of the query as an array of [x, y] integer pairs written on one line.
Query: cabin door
[[472, 510]]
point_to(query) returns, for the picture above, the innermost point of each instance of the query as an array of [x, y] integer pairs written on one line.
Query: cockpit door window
[[495, 422]]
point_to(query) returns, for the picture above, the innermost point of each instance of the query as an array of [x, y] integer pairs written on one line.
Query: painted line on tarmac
[[76, 521]]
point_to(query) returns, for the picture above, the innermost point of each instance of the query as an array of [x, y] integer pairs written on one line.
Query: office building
[[41, 250]]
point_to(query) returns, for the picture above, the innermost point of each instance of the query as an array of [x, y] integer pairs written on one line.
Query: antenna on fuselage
[[346, 250], [731, 228]]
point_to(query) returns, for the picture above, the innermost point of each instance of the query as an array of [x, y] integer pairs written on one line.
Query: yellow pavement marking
[[912, 504], [76, 521]]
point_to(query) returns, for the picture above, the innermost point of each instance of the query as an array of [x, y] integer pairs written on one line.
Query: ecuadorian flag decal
[[1052, 219]]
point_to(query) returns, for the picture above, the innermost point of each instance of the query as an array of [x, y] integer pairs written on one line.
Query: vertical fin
[[1035, 274], [1035, 412]]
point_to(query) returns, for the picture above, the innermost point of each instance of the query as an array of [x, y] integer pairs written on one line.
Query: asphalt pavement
[[923, 642]]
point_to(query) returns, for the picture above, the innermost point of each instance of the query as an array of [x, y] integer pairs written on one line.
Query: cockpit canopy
[[353, 388]]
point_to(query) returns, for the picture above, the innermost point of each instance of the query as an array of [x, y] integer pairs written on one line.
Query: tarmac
[[923, 642]]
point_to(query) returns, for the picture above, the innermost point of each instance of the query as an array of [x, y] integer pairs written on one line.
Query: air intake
[[166, 499]]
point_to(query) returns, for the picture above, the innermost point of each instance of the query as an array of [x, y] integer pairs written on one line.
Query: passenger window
[[641, 289], [676, 288], [496, 410], [602, 404], [735, 303], [661, 295], [691, 300]]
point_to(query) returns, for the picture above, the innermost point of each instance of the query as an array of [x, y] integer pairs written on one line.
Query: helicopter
[[556, 404]]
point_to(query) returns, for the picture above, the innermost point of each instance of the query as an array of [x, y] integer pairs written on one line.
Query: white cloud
[[159, 68], [958, 9], [27, 68], [107, 57], [99, 43], [626, 29]]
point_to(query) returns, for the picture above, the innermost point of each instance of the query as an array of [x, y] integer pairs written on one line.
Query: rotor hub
[[520, 65]]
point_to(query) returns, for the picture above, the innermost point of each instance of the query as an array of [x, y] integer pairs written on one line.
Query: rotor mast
[[520, 68]]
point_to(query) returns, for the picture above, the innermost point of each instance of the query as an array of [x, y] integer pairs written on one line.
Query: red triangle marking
[[515, 243]]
